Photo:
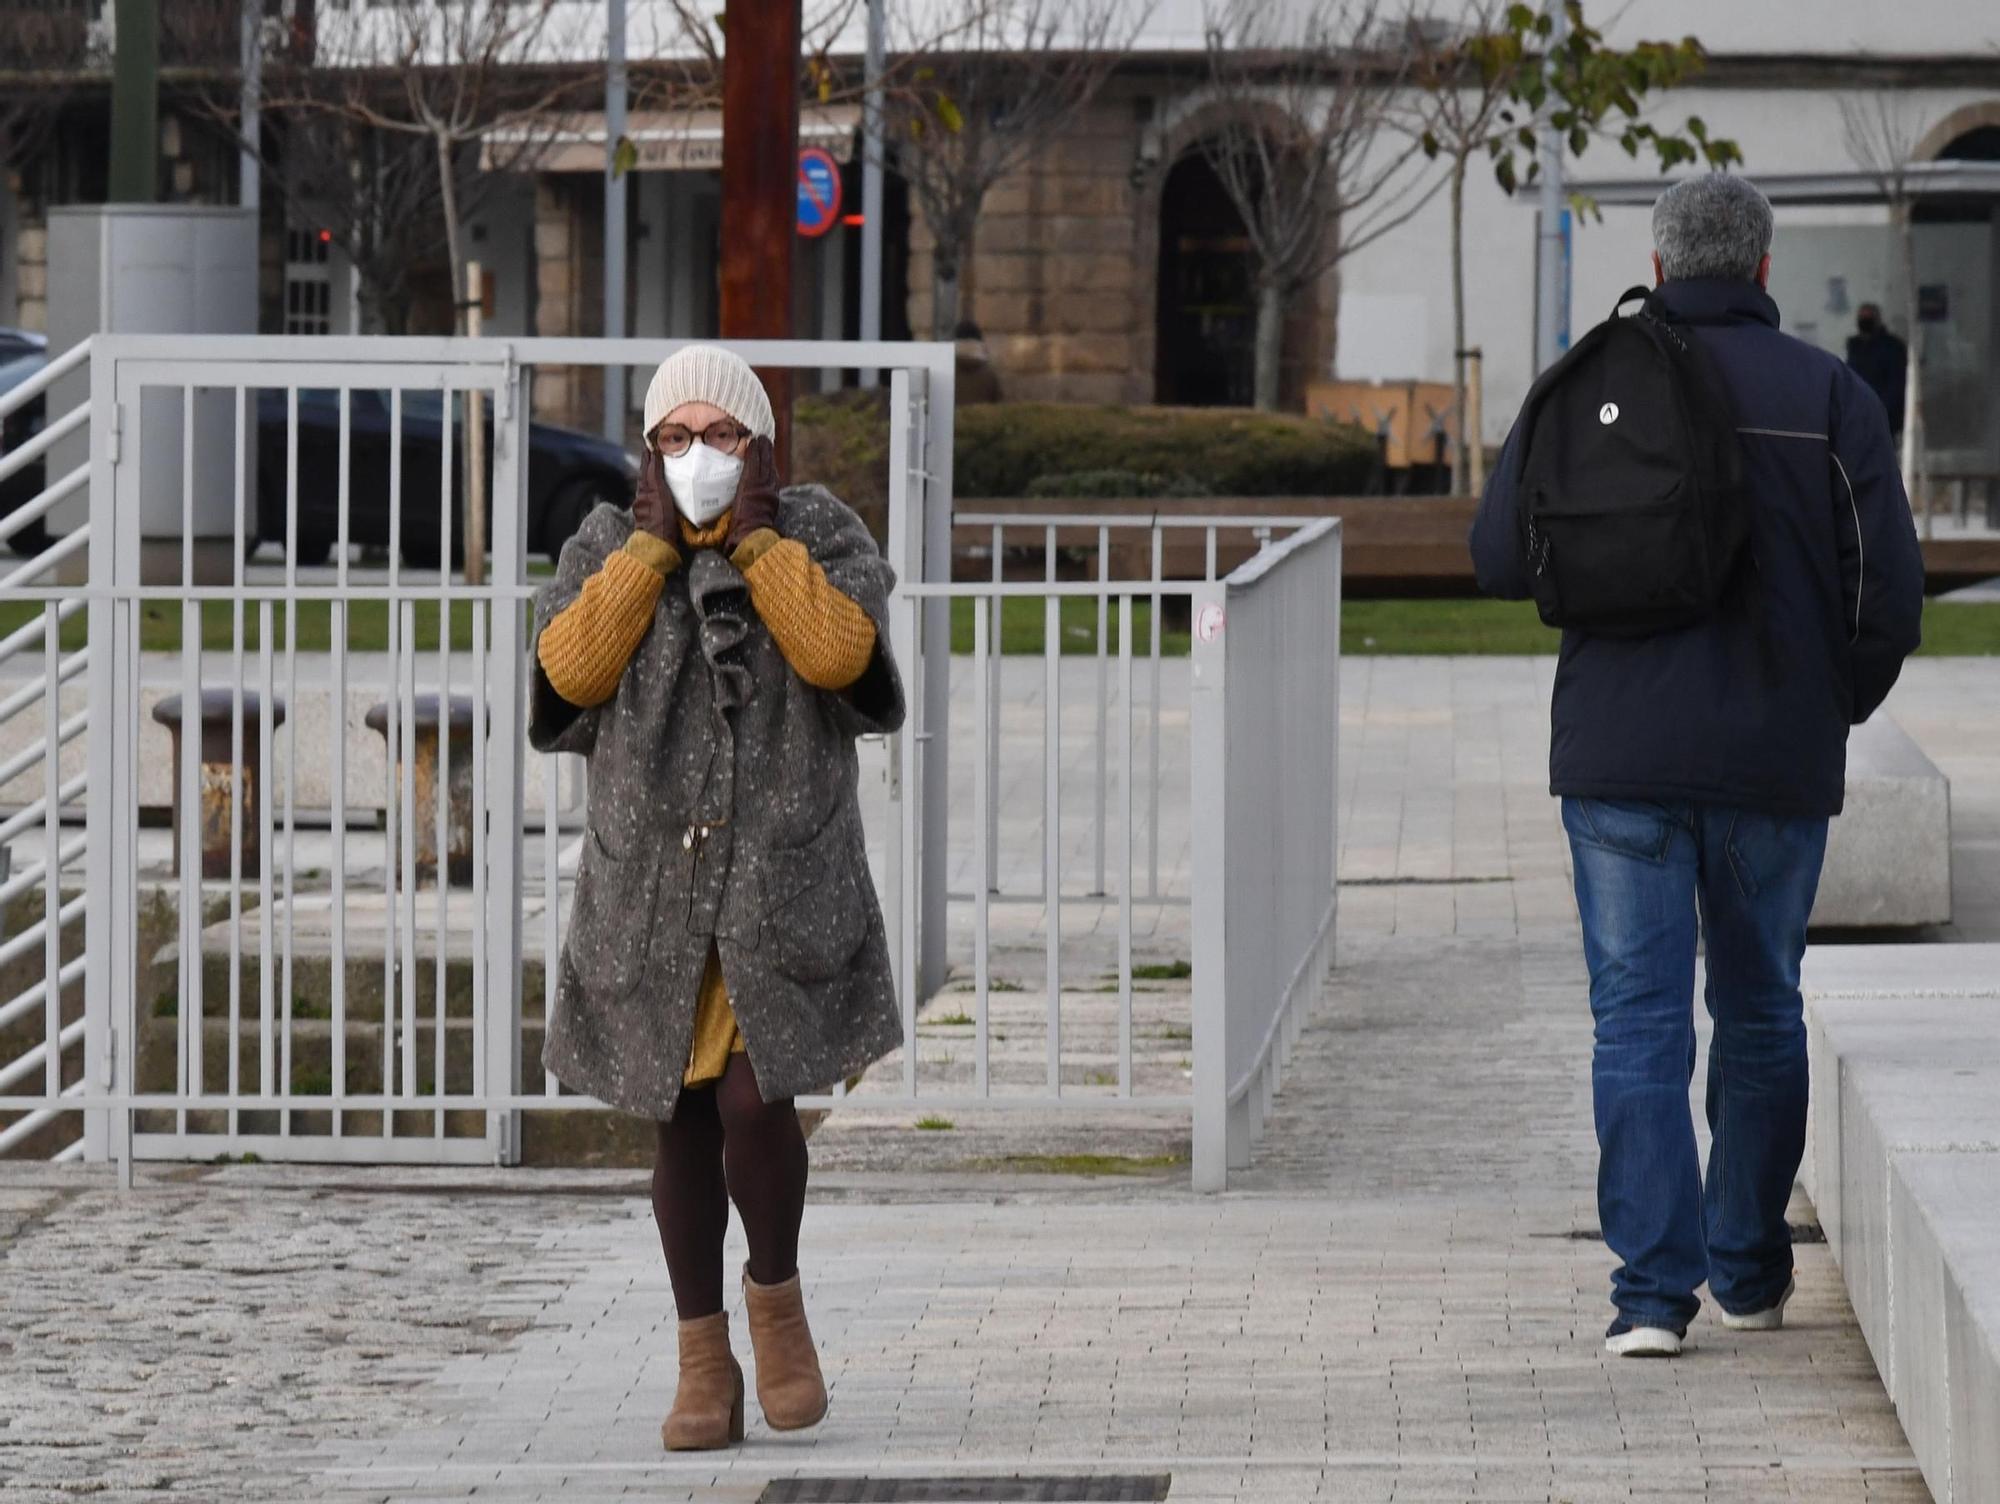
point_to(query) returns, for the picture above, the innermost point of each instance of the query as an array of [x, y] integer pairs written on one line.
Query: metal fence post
[[939, 397], [504, 775], [905, 853], [102, 916], [1208, 813]]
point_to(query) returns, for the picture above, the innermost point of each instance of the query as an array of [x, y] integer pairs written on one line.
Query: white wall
[[1780, 130]]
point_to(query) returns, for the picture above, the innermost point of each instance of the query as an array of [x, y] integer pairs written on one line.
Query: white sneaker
[[1767, 1320], [1624, 1340]]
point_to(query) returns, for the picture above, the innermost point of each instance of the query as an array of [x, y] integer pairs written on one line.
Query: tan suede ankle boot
[[708, 1403], [789, 1386]]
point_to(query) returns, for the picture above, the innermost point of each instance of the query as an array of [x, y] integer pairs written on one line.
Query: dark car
[[568, 474], [22, 354]]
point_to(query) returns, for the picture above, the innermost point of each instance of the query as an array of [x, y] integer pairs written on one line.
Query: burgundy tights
[[725, 1142]]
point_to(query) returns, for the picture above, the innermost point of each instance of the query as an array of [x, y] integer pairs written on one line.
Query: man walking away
[[1698, 766], [1881, 360]]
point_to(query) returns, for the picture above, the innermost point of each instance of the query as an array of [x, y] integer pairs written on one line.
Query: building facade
[[1111, 266]]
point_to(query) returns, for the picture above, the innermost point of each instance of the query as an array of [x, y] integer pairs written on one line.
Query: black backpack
[[1631, 480]]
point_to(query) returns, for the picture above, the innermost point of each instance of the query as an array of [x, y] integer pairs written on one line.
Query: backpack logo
[[1608, 414]]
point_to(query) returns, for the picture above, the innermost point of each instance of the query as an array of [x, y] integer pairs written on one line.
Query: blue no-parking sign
[[819, 192]]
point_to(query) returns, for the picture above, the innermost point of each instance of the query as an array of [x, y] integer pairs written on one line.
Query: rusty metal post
[[424, 776], [222, 780], [760, 182]]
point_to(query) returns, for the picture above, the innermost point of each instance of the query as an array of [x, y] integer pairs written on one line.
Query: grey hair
[[1712, 225]]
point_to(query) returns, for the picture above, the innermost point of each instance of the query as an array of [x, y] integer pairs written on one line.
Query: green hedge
[[1004, 448], [1040, 449]]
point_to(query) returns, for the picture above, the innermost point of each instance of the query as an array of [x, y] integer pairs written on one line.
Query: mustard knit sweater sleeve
[[586, 647], [826, 638]]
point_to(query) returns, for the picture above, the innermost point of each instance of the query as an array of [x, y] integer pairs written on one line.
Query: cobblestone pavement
[[1402, 1299]]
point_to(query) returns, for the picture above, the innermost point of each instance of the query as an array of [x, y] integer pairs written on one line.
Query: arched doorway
[[1207, 318]]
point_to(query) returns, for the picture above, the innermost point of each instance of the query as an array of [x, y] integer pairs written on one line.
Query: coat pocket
[[814, 917], [611, 928]]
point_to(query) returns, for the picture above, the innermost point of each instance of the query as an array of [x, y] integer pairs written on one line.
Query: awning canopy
[[665, 140], [1926, 180]]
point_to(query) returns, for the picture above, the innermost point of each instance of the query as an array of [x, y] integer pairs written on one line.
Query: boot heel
[[736, 1411]]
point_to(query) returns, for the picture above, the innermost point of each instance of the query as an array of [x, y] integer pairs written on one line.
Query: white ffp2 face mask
[[703, 481]]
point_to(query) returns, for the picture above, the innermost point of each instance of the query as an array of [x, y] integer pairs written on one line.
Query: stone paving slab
[[1403, 1299]]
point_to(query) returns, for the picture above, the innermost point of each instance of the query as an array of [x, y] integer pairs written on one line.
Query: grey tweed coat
[[722, 807]]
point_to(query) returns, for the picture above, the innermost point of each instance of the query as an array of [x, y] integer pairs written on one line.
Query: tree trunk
[[944, 293], [475, 518], [1270, 346], [1462, 439], [448, 191]]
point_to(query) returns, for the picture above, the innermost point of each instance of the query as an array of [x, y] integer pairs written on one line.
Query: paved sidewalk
[[1403, 1300]]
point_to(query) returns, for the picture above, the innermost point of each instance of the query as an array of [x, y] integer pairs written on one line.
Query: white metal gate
[[322, 996]]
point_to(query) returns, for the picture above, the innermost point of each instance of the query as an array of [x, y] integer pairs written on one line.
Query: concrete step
[[1888, 855], [1904, 1166], [370, 927]]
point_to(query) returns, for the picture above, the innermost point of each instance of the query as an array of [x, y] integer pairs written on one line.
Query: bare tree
[[1303, 143], [1489, 74], [823, 31], [1883, 130], [464, 77], [375, 192], [978, 88], [479, 87], [45, 49]]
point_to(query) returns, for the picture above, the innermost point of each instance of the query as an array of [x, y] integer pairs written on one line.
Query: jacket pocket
[[611, 928], [814, 918]]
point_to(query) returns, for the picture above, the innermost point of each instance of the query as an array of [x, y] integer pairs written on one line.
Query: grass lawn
[[1951, 628], [1469, 627], [160, 626]]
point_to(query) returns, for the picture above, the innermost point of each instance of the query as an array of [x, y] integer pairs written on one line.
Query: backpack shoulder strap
[[1637, 294]]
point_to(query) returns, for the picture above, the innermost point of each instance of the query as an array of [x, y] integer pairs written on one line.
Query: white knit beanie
[[708, 373]]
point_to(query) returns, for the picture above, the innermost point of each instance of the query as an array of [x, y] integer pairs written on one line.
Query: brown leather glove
[[652, 502], [756, 504]]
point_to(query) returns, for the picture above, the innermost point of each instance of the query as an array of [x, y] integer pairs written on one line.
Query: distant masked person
[[1881, 360], [715, 651]]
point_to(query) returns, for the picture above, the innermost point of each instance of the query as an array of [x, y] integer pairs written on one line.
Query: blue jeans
[[1646, 876]]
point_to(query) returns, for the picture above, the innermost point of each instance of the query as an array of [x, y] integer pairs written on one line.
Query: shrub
[[1003, 449], [1056, 450]]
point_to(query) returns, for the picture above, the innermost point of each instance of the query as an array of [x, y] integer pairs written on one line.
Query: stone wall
[[569, 291], [1063, 275], [31, 275]]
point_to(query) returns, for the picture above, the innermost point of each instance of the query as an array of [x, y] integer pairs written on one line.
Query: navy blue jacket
[[1749, 708]]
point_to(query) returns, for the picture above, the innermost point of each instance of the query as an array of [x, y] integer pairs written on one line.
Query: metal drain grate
[[1131, 1488]]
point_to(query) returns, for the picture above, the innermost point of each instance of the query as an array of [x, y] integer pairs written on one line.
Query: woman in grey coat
[[714, 652]]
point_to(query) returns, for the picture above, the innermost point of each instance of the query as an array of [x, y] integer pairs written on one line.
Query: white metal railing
[[1100, 528], [53, 1051], [258, 1025], [322, 1001], [1266, 758]]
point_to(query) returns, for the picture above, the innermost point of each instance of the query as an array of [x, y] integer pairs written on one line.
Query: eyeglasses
[[724, 434]]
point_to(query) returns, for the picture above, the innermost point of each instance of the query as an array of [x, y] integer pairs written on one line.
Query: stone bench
[[1888, 856], [1904, 1167]]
